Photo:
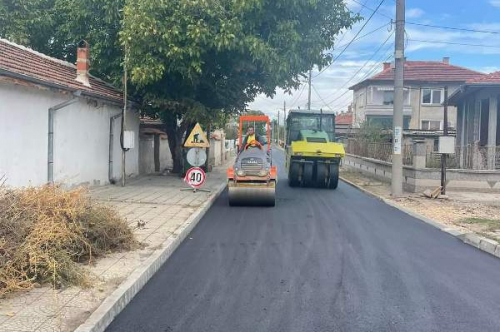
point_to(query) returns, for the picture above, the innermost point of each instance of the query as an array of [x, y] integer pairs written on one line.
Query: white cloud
[[495, 3], [415, 12]]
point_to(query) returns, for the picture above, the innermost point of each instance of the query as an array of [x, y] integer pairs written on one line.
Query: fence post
[[419, 154]]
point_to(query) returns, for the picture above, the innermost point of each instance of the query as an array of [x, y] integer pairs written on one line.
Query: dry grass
[[45, 232]]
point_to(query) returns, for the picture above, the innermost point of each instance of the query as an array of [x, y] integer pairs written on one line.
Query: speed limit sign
[[195, 177]]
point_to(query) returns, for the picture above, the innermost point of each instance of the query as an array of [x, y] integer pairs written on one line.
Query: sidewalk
[[155, 208], [465, 212]]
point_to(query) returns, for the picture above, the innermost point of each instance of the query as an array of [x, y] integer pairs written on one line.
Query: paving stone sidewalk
[[158, 203]]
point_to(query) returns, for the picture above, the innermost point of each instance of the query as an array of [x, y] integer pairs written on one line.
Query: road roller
[[312, 155], [252, 180]]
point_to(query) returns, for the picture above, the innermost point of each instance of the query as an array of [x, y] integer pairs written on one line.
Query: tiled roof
[[343, 119], [20, 60], [428, 71], [493, 78]]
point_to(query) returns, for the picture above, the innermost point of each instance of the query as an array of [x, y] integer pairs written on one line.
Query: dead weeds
[[45, 232]]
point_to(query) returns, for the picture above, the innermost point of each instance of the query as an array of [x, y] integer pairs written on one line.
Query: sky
[[478, 51]]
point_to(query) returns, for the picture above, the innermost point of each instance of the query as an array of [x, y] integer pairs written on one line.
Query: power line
[[368, 33], [366, 63], [361, 80], [297, 99], [376, 65], [352, 40], [345, 33], [452, 43], [321, 98], [432, 25], [454, 28], [373, 10]]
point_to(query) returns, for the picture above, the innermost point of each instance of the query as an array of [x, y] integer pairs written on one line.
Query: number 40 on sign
[[195, 178]]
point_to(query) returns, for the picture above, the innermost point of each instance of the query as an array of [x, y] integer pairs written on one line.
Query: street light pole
[[309, 95], [399, 58]]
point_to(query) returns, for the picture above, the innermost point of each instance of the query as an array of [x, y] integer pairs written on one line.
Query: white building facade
[[425, 82], [55, 129]]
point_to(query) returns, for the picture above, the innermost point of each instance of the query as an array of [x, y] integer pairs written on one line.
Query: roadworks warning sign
[[197, 138]]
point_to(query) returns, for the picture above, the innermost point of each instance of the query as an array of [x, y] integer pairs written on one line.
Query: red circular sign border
[[186, 178]]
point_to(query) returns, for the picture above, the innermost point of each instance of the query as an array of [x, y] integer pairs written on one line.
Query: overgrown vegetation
[[486, 227], [45, 232]]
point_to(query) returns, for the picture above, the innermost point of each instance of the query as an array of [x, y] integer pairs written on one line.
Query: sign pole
[[444, 156]]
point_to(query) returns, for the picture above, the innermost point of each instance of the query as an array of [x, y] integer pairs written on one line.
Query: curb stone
[[479, 242], [100, 319]]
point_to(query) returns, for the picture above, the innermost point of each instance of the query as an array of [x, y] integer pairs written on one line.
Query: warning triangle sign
[[197, 138]]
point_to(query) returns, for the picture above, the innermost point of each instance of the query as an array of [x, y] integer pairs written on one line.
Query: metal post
[[309, 95], [284, 123], [397, 158], [444, 156], [278, 128], [124, 119]]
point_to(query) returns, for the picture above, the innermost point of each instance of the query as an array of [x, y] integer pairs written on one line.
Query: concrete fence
[[417, 179]]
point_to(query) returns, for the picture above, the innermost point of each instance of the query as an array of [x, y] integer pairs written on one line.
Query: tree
[[190, 60], [55, 27], [194, 59]]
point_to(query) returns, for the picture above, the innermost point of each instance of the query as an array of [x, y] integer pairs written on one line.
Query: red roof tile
[[343, 119], [428, 71], [493, 78], [23, 61]]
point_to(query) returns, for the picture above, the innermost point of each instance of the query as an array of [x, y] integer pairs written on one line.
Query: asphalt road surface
[[320, 260]]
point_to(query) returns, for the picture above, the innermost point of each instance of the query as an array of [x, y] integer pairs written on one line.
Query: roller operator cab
[[313, 156]]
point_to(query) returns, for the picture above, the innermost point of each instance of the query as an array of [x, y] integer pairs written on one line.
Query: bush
[[45, 232]]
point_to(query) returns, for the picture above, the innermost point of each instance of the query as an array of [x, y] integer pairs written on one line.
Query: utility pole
[[284, 123], [124, 118], [397, 132], [309, 96], [278, 128], [444, 156]]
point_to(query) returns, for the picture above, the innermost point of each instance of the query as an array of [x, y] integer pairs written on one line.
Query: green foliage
[[214, 56], [372, 132], [54, 27], [189, 60]]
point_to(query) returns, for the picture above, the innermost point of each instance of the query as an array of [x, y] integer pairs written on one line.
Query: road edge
[[472, 239], [102, 317]]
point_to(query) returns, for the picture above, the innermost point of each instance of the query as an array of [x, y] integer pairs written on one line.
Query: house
[[60, 124], [343, 124], [423, 95], [478, 130]]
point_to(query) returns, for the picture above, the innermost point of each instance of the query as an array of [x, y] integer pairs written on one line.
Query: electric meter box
[[128, 139], [446, 145]]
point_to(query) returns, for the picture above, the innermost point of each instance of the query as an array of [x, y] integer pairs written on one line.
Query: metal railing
[[473, 157], [377, 150]]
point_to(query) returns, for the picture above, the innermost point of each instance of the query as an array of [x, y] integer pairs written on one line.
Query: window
[[361, 99], [385, 122], [432, 96], [388, 97], [431, 125]]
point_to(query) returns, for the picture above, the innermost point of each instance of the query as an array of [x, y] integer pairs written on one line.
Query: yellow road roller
[[312, 155]]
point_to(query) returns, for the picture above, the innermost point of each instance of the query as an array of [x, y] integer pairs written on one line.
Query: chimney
[[83, 63], [446, 60], [387, 65]]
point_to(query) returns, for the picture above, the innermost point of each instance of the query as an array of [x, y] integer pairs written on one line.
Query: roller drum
[[252, 195]]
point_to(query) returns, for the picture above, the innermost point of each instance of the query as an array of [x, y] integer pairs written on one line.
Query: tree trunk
[[175, 136]]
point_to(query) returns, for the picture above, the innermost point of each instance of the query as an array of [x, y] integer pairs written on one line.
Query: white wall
[[146, 158], [81, 138]]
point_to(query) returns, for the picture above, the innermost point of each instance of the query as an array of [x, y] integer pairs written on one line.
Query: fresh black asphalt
[[321, 260]]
